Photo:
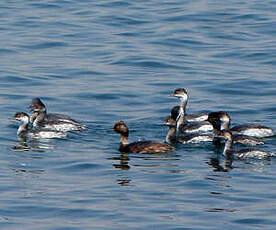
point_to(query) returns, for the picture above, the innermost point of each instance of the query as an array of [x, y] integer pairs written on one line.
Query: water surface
[[108, 60]]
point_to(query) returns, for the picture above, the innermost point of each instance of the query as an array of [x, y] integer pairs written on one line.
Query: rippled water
[[103, 61]]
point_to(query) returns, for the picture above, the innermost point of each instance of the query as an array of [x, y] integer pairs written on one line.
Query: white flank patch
[[258, 154], [255, 132], [197, 119], [48, 135], [199, 139], [203, 128]]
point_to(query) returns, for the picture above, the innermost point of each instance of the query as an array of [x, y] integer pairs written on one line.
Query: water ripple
[[100, 62]]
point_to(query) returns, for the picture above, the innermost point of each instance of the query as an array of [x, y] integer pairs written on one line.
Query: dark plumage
[[183, 126], [38, 106], [221, 121], [229, 152], [193, 138], [54, 121], [139, 146]]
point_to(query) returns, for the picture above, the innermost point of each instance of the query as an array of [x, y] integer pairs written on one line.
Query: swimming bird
[[221, 121], [52, 121], [182, 95], [229, 152], [184, 127], [139, 146], [23, 130], [192, 138]]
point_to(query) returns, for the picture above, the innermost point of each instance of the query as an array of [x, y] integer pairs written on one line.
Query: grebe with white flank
[[185, 127], [52, 121], [243, 153], [35, 134], [221, 121], [193, 138]]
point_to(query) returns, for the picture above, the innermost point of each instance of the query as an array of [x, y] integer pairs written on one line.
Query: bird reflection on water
[[24, 145], [123, 161], [226, 165]]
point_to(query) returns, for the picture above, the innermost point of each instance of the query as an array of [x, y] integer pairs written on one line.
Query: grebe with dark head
[[182, 95], [185, 127], [243, 153], [139, 146], [252, 130], [38, 106], [193, 138], [220, 122], [52, 121], [35, 134]]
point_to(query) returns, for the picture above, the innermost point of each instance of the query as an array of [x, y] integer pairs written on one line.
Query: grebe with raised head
[[139, 146], [182, 95], [243, 153], [193, 138], [52, 121], [35, 134], [38, 106]]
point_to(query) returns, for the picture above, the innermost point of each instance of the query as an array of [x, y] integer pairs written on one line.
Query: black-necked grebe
[[35, 134], [185, 127], [182, 95], [193, 138], [52, 121], [243, 153], [38, 106], [139, 146], [217, 119], [252, 130]]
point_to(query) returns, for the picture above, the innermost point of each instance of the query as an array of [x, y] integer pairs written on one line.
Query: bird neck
[[182, 104], [39, 118], [180, 120], [227, 147], [124, 139], [182, 112], [171, 135], [225, 125], [23, 127]]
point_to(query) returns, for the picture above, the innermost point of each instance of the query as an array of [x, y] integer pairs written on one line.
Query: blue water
[[101, 61]]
